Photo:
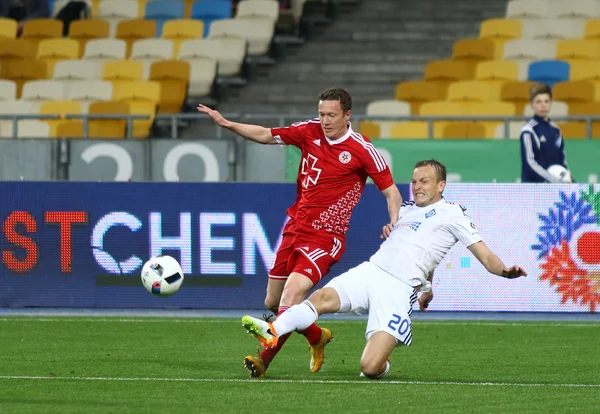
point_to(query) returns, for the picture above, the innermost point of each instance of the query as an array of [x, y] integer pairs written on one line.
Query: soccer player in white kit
[[386, 286]]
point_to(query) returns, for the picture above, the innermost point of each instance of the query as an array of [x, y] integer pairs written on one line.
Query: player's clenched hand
[[424, 300], [387, 229], [513, 272], [214, 115]]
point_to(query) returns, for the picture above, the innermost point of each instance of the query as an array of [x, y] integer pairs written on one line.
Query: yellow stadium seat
[[418, 92], [39, 29], [475, 91], [173, 77], [578, 130], [8, 28], [143, 98], [410, 130], [474, 50], [86, 30], [179, 30], [463, 130], [118, 71], [69, 129], [586, 109], [24, 70], [569, 49], [133, 30], [52, 51], [492, 109], [448, 70], [517, 93], [497, 70], [369, 129], [584, 70], [572, 92], [108, 128], [61, 108], [500, 31], [15, 50], [442, 108], [592, 29]]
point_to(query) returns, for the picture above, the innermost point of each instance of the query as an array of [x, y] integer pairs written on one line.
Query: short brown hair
[[440, 169], [539, 89], [337, 94]]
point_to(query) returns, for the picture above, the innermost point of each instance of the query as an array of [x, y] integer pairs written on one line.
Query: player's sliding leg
[[275, 287], [374, 362]]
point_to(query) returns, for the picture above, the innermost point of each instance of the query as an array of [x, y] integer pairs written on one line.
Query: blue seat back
[[549, 71]]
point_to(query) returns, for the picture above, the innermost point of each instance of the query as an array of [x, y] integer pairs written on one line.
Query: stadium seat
[[257, 32], [514, 130], [386, 107], [474, 49], [410, 130], [164, 10], [86, 30], [148, 51], [232, 51], [8, 28], [449, 70], [552, 29], [211, 10], [574, 49], [90, 91], [8, 90], [528, 9], [202, 56], [573, 92], [258, 8], [25, 70], [587, 109], [497, 70], [14, 50], [173, 77], [16, 107], [117, 71], [68, 129], [103, 50], [43, 90], [114, 11], [500, 31], [474, 91], [27, 128], [39, 29], [530, 49], [523, 67], [558, 109], [61, 108], [370, 129], [592, 29], [143, 98], [133, 30], [179, 30], [584, 70], [108, 128], [549, 71], [418, 92], [463, 130], [491, 109], [517, 93], [580, 10], [52, 51], [77, 70], [442, 108]]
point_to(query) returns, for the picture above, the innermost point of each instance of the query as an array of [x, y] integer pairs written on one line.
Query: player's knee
[[371, 369], [325, 300], [292, 294], [272, 303]]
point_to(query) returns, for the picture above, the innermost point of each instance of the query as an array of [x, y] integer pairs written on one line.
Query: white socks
[[298, 317]]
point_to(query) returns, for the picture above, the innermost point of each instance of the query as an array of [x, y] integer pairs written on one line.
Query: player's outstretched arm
[[254, 133], [394, 201], [493, 264]]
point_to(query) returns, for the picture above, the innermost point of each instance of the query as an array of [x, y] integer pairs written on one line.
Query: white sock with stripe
[[298, 317]]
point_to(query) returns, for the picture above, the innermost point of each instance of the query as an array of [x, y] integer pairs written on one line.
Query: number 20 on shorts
[[398, 324]]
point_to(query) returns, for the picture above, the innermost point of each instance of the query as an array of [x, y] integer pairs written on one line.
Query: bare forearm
[[494, 265], [254, 133], [394, 201]]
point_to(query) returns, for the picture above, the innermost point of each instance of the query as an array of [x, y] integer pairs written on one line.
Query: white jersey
[[421, 239]]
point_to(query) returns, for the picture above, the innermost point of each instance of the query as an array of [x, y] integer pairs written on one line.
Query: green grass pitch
[[167, 365]]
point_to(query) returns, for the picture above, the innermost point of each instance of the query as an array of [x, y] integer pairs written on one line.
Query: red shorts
[[312, 257]]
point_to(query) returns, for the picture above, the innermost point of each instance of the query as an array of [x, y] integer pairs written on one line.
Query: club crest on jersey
[[345, 157], [430, 214]]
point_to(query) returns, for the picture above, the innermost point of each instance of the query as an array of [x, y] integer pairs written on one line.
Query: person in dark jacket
[[21, 10], [542, 144]]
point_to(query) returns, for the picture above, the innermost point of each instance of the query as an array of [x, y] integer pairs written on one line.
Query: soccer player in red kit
[[336, 162]]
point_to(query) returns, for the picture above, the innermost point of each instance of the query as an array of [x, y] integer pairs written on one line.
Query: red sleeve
[[291, 135], [376, 167]]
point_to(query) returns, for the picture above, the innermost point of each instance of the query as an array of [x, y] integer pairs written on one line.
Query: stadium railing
[[173, 120]]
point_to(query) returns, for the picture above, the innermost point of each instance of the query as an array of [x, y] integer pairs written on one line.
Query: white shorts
[[388, 301]]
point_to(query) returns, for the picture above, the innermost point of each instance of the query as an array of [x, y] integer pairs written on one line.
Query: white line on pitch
[[283, 381]]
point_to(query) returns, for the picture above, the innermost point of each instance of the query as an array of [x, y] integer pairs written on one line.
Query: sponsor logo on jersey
[[430, 214]]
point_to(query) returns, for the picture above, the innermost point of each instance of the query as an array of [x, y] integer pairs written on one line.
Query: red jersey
[[332, 175]]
